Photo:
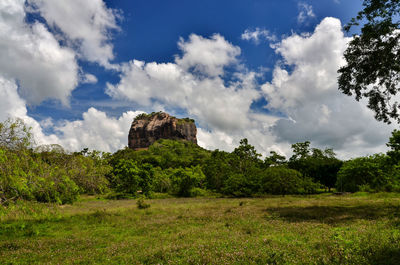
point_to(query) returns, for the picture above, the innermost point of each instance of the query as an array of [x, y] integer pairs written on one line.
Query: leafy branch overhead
[[373, 59]]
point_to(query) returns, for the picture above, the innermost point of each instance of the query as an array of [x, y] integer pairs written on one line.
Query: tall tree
[[373, 59]]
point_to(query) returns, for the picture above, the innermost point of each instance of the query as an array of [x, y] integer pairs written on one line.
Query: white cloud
[[96, 131], [12, 106], [305, 12], [35, 67], [309, 96], [222, 109], [31, 55], [207, 56], [258, 35], [88, 79], [195, 83], [84, 24], [202, 93]]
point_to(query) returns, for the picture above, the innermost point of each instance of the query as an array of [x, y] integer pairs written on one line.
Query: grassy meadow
[[356, 228]]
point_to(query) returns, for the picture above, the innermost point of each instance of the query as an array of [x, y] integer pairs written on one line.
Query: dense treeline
[[181, 168]]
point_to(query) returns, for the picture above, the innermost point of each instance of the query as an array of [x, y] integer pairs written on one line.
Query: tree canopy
[[373, 59]]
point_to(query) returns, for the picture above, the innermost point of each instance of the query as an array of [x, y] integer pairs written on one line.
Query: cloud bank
[[207, 81], [309, 95]]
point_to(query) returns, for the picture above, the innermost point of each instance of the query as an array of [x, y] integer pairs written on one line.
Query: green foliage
[[88, 169], [131, 178], [165, 154], [161, 181], [145, 116], [189, 120], [373, 60], [246, 157], [374, 171], [127, 176], [217, 170], [184, 180], [282, 180], [47, 174], [274, 159], [26, 176], [141, 204], [320, 166], [15, 135], [55, 186], [394, 145]]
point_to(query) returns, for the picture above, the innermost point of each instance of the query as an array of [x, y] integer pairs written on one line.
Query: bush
[[161, 181], [130, 178], [141, 204], [198, 192], [185, 179], [373, 172], [282, 180], [55, 186], [238, 185]]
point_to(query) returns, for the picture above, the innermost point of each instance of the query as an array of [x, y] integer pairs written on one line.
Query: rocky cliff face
[[148, 128]]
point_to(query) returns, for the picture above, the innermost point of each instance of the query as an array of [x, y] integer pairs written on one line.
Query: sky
[[78, 72]]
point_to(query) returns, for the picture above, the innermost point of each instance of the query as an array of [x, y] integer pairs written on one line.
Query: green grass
[[322, 229]]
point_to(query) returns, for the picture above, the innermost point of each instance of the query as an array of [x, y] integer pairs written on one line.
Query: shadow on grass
[[39, 227], [386, 256], [337, 214]]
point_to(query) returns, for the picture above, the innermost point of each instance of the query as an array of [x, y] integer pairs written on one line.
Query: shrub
[[374, 171], [141, 204], [185, 179], [130, 178], [238, 185], [282, 180]]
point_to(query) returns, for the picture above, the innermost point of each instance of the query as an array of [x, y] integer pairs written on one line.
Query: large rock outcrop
[[148, 128]]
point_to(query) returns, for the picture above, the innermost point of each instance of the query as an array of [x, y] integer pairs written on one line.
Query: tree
[[185, 179], [282, 180], [246, 157], [320, 165], [373, 59], [15, 134], [217, 169], [394, 144], [368, 173], [300, 150], [274, 159]]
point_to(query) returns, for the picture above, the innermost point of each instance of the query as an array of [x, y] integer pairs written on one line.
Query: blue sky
[[78, 72]]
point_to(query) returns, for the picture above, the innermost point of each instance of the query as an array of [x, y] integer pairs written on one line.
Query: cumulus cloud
[[86, 25], [203, 93], [258, 35], [206, 56], [13, 106], [309, 96], [31, 55], [198, 82], [194, 84], [96, 131], [305, 12], [34, 66]]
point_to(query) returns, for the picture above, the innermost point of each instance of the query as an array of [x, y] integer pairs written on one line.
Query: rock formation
[[148, 128]]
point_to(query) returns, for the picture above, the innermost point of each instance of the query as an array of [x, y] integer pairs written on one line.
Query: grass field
[[320, 229]]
